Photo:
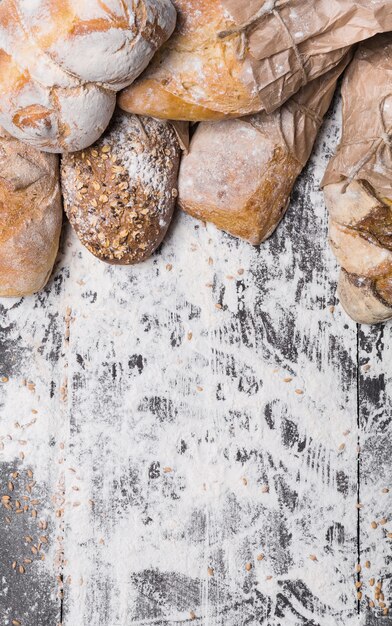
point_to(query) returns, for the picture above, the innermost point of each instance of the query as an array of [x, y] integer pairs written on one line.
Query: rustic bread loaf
[[358, 186], [120, 194], [229, 58], [360, 237], [239, 174], [62, 62], [30, 217]]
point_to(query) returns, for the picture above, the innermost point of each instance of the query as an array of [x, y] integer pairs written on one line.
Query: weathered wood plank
[[209, 391], [31, 344], [375, 410]]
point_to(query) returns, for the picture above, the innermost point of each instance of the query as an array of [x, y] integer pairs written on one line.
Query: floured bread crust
[[30, 217], [361, 239], [119, 194], [61, 64], [238, 178], [196, 75]]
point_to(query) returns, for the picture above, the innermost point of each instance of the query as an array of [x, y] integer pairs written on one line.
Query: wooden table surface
[[187, 441]]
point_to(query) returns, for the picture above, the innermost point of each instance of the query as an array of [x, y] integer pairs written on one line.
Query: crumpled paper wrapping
[[296, 124], [365, 151], [290, 42], [230, 58]]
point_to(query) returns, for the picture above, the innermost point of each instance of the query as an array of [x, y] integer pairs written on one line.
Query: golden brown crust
[[30, 217], [149, 95], [366, 301], [360, 236], [261, 212], [62, 63], [237, 177], [119, 194], [192, 58]]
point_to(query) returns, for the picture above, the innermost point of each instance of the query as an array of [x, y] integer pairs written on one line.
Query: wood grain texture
[[194, 411], [375, 354]]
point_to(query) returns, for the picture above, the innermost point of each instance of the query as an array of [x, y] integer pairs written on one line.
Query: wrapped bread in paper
[[228, 58], [239, 174], [358, 185]]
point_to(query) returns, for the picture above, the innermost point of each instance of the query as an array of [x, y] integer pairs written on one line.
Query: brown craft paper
[[182, 132], [297, 122], [365, 151], [293, 41]]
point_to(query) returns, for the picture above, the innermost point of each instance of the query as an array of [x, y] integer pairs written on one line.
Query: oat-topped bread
[[62, 62], [30, 216], [120, 194]]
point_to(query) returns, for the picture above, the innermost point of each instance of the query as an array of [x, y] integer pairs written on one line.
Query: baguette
[[30, 217], [120, 193], [239, 174], [358, 186], [62, 62]]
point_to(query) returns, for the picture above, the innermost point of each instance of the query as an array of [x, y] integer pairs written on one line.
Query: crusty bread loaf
[[120, 194], [358, 185], [360, 237], [238, 178], [230, 58], [30, 217], [239, 174], [62, 62]]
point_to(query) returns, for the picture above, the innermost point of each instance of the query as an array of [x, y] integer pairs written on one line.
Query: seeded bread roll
[[30, 217], [119, 194]]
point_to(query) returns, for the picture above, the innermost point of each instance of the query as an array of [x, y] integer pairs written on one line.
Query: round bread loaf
[[30, 216], [62, 62], [119, 194]]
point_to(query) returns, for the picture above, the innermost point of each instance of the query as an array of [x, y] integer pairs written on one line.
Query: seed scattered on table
[[374, 525], [313, 557], [210, 571], [248, 567]]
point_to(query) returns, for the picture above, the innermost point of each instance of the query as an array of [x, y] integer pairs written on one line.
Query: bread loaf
[[239, 174], [358, 186], [120, 194], [30, 217], [229, 58], [62, 62]]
